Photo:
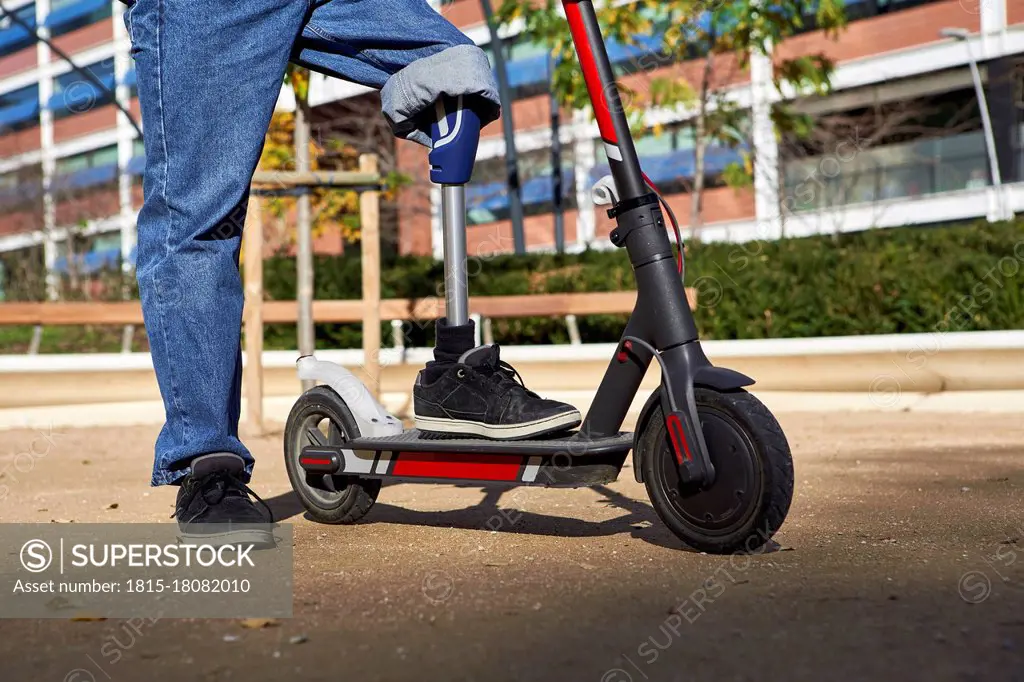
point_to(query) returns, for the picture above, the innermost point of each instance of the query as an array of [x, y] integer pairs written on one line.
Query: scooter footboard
[[569, 462]]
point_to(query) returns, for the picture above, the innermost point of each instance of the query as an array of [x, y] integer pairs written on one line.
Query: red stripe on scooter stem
[[602, 111]]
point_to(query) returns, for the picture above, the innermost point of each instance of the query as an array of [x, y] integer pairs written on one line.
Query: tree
[[712, 40], [329, 207], [341, 132]]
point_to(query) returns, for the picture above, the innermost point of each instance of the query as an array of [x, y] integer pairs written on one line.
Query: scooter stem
[[456, 137]]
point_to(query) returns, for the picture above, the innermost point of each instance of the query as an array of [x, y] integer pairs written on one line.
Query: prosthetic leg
[[456, 136]]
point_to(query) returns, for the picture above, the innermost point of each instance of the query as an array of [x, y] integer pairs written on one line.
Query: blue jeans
[[209, 73]]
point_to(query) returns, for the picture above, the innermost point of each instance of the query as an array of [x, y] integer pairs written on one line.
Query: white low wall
[[884, 366]]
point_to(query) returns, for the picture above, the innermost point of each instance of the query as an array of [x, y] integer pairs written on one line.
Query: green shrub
[[903, 280]]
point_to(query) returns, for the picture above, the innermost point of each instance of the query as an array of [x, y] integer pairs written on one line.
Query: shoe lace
[[509, 373], [506, 375], [222, 482]]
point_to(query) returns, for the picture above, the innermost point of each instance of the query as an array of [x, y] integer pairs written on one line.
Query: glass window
[[19, 109], [894, 171], [22, 189], [69, 15], [668, 159], [73, 93], [487, 195], [31, 93], [14, 38], [106, 156]]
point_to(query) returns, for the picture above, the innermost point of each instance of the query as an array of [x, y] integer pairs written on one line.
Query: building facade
[[896, 74], [71, 164]]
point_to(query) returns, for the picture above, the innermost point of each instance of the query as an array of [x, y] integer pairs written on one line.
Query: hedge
[[902, 280]]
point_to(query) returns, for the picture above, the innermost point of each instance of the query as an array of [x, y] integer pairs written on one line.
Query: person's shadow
[[639, 519]]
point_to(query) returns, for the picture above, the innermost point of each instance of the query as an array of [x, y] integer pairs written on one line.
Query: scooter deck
[[574, 443], [570, 461]]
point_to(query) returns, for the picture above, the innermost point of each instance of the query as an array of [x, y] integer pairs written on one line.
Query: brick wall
[[83, 38], [721, 204], [414, 200], [1014, 11], [16, 222], [483, 241], [886, 33], [20, 141], [92, 121], [22, 60], [463, 13], [91, 203]]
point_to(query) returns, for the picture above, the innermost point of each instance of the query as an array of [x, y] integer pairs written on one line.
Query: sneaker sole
[[538, 427], [243, 536]]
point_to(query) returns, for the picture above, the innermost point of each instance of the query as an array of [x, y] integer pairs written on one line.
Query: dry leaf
[[259, 623], [58, 603]]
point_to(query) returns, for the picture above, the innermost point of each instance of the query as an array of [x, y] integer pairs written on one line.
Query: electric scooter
[[713, 459]]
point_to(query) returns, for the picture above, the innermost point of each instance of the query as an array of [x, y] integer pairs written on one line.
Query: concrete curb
[[150, 412]]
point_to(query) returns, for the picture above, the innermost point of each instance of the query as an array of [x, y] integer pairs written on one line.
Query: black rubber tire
[[354, 496], [758, 458]]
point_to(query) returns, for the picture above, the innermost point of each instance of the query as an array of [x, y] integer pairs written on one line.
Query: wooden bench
[[284, 312], [128, 314]]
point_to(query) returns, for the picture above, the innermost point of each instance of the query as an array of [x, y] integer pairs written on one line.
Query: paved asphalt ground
[[903, 560]]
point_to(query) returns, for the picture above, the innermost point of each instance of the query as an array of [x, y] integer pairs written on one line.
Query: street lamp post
[[557, 196], [515, 192], [963, 35]]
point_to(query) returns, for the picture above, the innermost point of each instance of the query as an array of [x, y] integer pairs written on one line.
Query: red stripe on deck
[[456, 465], [316, 462]]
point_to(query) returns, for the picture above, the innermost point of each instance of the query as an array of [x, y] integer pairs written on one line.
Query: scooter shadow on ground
[[640, 521]]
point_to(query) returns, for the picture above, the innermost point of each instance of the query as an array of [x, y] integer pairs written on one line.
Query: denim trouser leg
[[209, 73]]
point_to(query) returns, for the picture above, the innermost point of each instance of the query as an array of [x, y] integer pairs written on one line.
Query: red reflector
[[623, 354], [678, 437], [315, 461], [455, 465]]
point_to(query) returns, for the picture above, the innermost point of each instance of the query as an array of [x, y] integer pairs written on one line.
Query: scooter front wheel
[[753, 487], [320, 417]]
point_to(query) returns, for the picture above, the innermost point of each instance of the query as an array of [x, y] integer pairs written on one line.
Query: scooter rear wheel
[[753, 487], [320, 417]]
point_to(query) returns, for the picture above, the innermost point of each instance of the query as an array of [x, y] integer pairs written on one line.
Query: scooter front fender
[[373, 420]]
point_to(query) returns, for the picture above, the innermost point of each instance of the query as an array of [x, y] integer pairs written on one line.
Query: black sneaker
[[214, 506], [481, 395]]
